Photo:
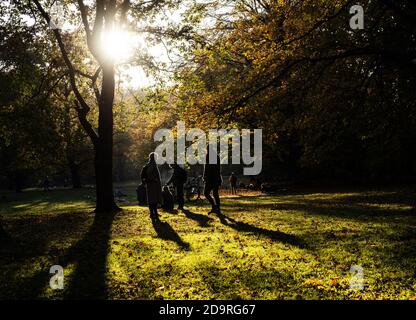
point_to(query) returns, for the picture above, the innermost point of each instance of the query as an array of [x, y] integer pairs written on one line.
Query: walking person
[[233, 183], [213, 180], [150, 176], [178, 179]]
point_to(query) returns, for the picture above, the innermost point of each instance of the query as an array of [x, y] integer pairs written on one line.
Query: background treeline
[[336, 105]]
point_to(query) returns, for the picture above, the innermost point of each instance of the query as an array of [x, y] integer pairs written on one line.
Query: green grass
[[292, 246]]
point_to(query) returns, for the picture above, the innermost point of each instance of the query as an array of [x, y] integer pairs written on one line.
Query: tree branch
[[71, 70], [386, 54]]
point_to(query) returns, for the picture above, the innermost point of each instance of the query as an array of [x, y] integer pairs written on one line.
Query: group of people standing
[[150, 177]]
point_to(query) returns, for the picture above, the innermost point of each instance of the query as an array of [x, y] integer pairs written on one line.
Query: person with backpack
[[178, 179]]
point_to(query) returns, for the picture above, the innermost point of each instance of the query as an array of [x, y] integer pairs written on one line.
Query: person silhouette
[[178, 179], [150, 176], [233, 183], [213, 180]]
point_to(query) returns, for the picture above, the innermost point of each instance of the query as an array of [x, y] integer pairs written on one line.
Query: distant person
[[168, 200], [233, 183], [151, 178], [46, 184], [213, 180], [141, 194], [178, 179]]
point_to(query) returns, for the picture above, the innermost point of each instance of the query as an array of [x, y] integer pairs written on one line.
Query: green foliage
[[332, 102], [27, 135]]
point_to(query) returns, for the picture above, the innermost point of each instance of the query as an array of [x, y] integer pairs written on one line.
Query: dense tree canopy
[[332, 101], [27, 138]]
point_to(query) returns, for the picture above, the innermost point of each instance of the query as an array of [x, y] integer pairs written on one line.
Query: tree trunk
[[103, 142], [104, 146]]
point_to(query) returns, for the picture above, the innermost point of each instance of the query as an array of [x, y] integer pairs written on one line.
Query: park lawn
[[290, 246]]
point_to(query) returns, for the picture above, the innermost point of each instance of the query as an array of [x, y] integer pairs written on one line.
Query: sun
[[119, 45]]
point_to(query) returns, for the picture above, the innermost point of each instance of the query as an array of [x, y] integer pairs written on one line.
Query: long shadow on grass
[[14, 283], [90, 257], [166, 232], [35, 246], [362, 207], [359, 212], [274, 235], [202, 220]]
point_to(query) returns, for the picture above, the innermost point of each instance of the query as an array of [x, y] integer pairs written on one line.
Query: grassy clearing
[[292, 246]]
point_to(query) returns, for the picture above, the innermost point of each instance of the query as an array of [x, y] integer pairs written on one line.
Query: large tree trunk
[[103, 142], [104, 146]]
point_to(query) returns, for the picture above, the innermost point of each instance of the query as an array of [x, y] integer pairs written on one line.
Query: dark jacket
[[151, 178], [179, 176], [212, 172]]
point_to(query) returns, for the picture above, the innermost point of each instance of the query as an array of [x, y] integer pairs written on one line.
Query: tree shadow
[[357, 204], [166, 232], [364, 206], [202, 220], [273, 235], [37, 242], [90, 257], [35, 235], [174, 211], [13, 252], [358, 212], [384, 197]]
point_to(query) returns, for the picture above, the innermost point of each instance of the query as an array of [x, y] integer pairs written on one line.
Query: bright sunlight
[[119, 45], [122, 46]]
